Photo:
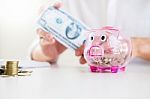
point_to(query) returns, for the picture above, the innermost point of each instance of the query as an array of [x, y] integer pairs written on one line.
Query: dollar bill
[[64, 27]]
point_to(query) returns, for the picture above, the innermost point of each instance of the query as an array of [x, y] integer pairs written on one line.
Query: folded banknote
[[64, 27]]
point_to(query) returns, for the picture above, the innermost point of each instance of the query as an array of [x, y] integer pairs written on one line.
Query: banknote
[[65, 28]]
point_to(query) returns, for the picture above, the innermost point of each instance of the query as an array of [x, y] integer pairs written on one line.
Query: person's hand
[[50, 47], [141, 47], [135, 44], [80, 53]]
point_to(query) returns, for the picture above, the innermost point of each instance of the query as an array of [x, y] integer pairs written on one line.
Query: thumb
[[80, 50], [58, 4]]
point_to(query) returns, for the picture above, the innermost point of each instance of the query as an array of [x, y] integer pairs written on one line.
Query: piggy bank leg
[[114, 69], [123, 68], [96, 69], [93, 69]]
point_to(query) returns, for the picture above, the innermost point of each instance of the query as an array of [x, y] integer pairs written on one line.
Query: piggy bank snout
[[96, 51]]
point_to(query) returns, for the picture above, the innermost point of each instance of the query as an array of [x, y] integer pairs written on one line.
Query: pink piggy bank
[[106, 50]]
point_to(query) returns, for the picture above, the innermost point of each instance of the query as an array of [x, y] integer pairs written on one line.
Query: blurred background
[[17, 26]]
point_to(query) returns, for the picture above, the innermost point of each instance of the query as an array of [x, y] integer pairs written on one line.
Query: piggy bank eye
[[103, 38], [91, 37]]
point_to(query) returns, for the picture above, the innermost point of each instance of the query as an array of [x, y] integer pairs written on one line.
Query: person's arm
[[141, 47]]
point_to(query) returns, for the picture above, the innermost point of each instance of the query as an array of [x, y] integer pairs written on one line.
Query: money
[[64, 27], [12, 69]]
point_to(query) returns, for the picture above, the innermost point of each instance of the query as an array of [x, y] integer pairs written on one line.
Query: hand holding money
[[49, 48], [67, 30]]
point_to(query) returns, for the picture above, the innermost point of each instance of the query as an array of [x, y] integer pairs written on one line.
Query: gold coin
[[11, 68], [12, 62]]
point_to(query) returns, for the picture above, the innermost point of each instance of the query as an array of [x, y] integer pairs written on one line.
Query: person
[[132, 16]]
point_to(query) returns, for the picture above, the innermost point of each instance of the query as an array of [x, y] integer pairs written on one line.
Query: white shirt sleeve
[[34, 44]]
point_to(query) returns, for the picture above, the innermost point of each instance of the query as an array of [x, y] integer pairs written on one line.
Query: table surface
[[77, 82]]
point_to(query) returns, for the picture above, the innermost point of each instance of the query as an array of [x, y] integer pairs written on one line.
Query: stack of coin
[[11, 68]]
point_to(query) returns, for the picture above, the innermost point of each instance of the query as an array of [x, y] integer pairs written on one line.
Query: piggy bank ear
[[111, 30], [88, 33], [107, 28]]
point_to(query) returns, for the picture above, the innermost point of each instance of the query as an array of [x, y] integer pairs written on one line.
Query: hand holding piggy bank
[[107, 50]]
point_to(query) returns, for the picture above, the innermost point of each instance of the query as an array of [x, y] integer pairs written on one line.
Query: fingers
[[79, 51], [82, 60], [45, 38], [57, 5]]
